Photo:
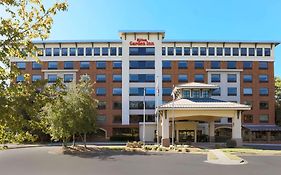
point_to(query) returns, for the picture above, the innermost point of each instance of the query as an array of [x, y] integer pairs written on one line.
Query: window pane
[[178, 50], [232, 91], [68, 65], [36, 65], [194, 51], [186, 50], [215, 78], [182, 65], [199, 65], [84, 64], [227, 51], [211, 51], [247, 64], [48, 52], [113, 51], [166, 78], [100, 64], [163, 51], [166, 91], [72, 51], [251, 51], [231, 65], [52, 65], [89, 51], [36, 78], [215, 65], [117, 78], [263, 91], [248, 118], [264, 118], [231, 78], [199, 78], [20, 78], [263, 65], [120, 51], [182, 78], [267, 52], [97, 51], [219, 51], [247, 78], [64, 52], [259, 51], [243, 51], [186, 94], [247, 91], [170, 51], [21, 65], [264, 105], [105, 51], [80, 51], [141, 51], [235, 51], [216, 92], [100, 78], [203, 51], [52, 78], [68, 78], [166, 64], [56, 51], [117, 64], [117, 91], [100, 91], [263, 78]]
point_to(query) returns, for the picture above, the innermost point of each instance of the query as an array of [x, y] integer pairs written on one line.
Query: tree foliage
[[22, 21], [73, 114], [278, 100]]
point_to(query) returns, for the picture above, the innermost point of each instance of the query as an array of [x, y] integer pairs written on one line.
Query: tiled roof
[[262, 127], [203, 103]]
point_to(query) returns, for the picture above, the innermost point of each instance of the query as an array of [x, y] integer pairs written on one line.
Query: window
[[117, 105], [247, 78], [36, 78], [264, 118], [264, 105], [142, 65], [231, 78], [263, 78], [101, 119], [182, 65], [263, 65], [72, 52], [249, 103], [216, 92], [163, 51], [186, 94], [248, 118], [182, 78], [97, 51], [264, 91], [178, 50], [215, 64], [235, 51], [199, 65], [117, 78], [117, 65], [20, 78], [52, 65], [232, 91], [141, 51], [113, 51], [166, 64], [215, 78], [231, 64], [117, 91], [205, 94], [251, 51], [243, 51], [170, 51], [64, 52], [40, 52], [166, 78], [48, 52], [166, 91], [266, 51], [186, 51], [203, 51], [101, 78], [199, 78], [248, 91], [104, 51], [119, 51], [219, 51], [100, 64], [89, 51], [194, 51], [21, 65], [36, 66], [227, 51], [101, 105], [117, 119], [195, 93], [68, 78], [100, 91], [56, 51], [211, 51], [52, 78], [139, 104], [142, 77], [149, 91], [259, 51], [247, 64], [135, 91], [68, 65], [80, 51], [84, 64]]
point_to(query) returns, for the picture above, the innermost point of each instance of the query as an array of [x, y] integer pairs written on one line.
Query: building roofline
[[74, 41], [223, 41]]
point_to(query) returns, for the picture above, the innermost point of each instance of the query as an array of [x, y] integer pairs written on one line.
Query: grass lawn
[[251, 151]]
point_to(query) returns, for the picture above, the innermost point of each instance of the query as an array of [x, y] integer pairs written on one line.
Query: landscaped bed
[[251, 151]]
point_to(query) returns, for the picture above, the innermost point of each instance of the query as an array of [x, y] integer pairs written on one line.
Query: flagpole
[[143, 130], [156, 111], [173, 116]]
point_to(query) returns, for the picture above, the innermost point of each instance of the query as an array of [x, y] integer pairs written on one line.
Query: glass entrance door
[[186, 135]]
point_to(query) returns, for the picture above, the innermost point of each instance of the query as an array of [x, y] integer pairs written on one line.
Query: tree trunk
[[85, 140], [64, 143], [73, 140]]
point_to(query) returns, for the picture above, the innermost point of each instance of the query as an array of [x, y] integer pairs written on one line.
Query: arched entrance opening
[[222, 134]]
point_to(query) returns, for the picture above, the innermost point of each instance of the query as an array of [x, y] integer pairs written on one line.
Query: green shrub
[[187, 150], [155, 148], [231, 143], [160, 149], [134, 144], [179, 150]]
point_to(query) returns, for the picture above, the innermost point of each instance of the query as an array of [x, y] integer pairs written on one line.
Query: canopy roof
[[203, 103], [262, 127]]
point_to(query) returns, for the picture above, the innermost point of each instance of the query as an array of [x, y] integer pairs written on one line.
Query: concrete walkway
[[222, 159]]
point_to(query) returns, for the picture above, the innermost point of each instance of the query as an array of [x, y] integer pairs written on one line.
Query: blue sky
[[181, 19]]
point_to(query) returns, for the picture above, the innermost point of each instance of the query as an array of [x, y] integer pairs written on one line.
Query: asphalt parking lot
[[39, 161]]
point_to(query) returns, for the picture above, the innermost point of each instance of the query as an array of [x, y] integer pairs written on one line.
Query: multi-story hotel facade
[[143, 66]]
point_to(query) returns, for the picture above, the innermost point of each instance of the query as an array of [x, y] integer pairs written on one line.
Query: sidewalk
[[222, 159]]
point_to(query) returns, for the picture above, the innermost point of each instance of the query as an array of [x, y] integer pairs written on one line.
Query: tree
[[74, 113], [24, 21], [278, 100]]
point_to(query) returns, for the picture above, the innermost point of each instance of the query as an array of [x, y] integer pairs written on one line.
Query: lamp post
[[143, 129]]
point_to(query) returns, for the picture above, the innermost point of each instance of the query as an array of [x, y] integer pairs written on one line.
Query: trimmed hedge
[[231, 143]]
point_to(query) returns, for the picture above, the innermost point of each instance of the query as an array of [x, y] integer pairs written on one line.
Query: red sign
[[141, 42]]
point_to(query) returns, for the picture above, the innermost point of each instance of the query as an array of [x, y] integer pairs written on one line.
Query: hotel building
[[143, 66]]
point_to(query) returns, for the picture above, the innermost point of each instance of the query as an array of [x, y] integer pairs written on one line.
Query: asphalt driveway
[[39, 161]]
